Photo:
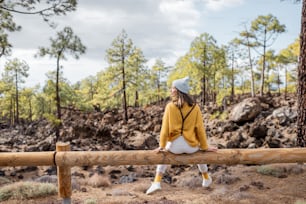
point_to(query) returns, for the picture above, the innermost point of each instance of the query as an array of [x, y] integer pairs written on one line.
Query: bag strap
[[184, 118]]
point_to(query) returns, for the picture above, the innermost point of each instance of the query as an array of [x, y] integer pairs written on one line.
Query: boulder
[[245, 111], [285, 114], [259, 131]]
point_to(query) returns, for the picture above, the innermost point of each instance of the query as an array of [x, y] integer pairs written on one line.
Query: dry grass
[[142, 187], [26, 190], [90, 201], [271, 171], [97, 181], [4, 180], [279, 171]]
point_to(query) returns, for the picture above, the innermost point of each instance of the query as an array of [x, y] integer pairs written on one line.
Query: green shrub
[[26, 190], [300, 202], [4, 180], [270, 171], [90, 201], [219, 115], [215, 115], [52, 119]]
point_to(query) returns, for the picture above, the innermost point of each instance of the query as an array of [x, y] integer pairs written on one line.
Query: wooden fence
[[64, 159]]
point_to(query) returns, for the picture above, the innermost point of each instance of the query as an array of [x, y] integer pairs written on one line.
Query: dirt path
[[232, 185]]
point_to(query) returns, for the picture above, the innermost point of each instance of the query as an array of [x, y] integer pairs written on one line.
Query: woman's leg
[[203, 168], [178, 146], [160, 170], [207, 180]]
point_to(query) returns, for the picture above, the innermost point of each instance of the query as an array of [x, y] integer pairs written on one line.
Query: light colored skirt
[[180, 146]]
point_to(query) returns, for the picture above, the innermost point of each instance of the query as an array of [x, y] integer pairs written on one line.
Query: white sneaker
[[154, 187], [207, 182]]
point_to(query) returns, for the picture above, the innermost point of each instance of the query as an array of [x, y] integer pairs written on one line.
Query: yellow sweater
[[193, 128]]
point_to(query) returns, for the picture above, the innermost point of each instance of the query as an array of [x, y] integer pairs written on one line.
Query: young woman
[[182, 131]]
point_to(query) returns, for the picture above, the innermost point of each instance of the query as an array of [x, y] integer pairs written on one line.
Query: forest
[[247, 64], [121, 108]]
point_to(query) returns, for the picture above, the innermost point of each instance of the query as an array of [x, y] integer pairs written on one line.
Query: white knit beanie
[[182, 85]]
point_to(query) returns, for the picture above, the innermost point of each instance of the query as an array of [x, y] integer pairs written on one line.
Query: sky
[[162, 29]]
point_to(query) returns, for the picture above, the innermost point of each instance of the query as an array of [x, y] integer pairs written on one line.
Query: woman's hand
[[159, 149], [210, 149]]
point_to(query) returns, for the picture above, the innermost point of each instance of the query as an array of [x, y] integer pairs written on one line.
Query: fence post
[[64, 176]]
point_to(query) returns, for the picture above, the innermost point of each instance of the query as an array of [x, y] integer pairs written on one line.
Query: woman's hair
[[179, 98]]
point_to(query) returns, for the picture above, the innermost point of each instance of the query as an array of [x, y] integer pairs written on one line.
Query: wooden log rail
[[147, 157], [64, 159]]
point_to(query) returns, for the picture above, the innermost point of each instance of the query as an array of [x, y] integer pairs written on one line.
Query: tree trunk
[[136, 99], [158, 90], [123, 87], [30, 111], [58, 102], [204, 77], [286, 82], [252, 80], [204, 90], [267, 76], [16, 97], [279, 82], [301, 91], [214, 92], [251, 67], [12, 115], [263, 68], [233, 80]]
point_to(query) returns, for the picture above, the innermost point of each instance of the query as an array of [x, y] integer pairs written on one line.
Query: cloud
[[217, 5], [160, 28], [153, 25], [180, 13]]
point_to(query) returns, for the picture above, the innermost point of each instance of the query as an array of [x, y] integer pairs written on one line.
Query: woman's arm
[[200, 129], [165, 128]]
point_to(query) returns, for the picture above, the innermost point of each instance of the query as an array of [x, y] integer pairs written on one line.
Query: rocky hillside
[[262, 122], [247, 123]]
